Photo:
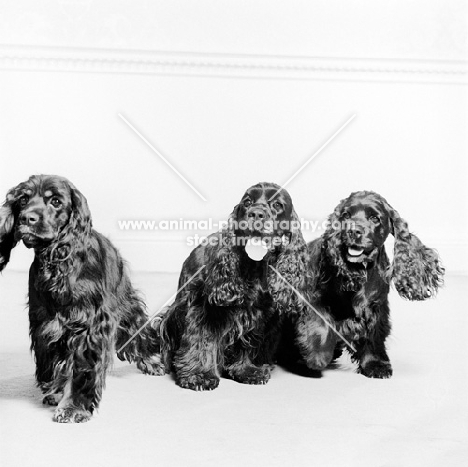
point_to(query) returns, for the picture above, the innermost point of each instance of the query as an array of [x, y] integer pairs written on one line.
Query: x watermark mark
[[152, 226]]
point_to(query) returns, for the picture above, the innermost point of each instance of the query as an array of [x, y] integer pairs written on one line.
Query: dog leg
[[371, 355], [44, 356], [372, 359], [315, 339], [82, 376], [196, 361], [70, 409]]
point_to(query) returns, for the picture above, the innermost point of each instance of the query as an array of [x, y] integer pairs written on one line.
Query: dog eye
[[374, 219], [23, 201], [247, 203], [56, 203], [345, 215], [277, 205]]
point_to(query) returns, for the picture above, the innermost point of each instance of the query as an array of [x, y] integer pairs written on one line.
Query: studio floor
[[416, 418]]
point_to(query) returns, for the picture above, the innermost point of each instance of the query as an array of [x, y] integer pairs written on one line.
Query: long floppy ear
[[416, 270], [60, 256], [351, 279], [7, 228], [80, 222], [223, 284], [73, 235], [288, 279]]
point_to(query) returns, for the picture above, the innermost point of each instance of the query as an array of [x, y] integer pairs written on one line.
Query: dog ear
[[332, 239], [223, 284], [8, 218], [80, 220], [74, 234], [416, 271], [61, 255], [288, 279]]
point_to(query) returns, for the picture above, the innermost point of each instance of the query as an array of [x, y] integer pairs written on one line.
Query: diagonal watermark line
[[155, 314], [161, 156], [313, 308], [316, 153]]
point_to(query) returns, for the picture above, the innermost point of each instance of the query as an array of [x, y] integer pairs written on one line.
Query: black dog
[[352, 275], [82, 306], [226, 318]]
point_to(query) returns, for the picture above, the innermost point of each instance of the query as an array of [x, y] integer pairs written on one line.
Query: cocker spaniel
[[82, 306], [234, 290], [353, 274]]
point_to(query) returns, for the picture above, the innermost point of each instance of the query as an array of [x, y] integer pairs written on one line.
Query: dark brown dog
[[82, 306], [227, 317], [352, 275]]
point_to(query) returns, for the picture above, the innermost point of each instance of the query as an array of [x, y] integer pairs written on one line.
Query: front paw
[[319, 360], [251, 374], [52, 399], [199, 382], [377, 369], [71, 415], [151, 366]]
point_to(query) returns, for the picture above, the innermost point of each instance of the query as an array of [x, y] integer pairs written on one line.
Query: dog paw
[[52, 399], [251, 374], [151, 366], [201, 382], [319, 360], [377, 369], [71, 415]]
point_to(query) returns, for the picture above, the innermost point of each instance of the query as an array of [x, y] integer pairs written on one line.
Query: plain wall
[[215, 88]]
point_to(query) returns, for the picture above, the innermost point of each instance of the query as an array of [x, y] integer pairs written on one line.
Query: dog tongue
[[256, 249], [355, 252]]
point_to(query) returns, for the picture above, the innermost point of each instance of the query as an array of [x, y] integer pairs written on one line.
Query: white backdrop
[[233, 93]]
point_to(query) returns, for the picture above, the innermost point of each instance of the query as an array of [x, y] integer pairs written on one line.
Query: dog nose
[[29, 218], [354, 233], [256, 214]]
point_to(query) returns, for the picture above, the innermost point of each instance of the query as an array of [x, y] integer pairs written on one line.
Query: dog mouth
[[257, 246], [358, 254], [31, 239], [355, 252]]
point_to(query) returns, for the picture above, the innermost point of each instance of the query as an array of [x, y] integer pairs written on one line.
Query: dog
[[82, 305], [352, 274], [234, 290]]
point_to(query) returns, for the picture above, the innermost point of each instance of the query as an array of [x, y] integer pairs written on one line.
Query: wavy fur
[[82, 306], [355, 287], [224, 285], [416, 271], [227, 321]]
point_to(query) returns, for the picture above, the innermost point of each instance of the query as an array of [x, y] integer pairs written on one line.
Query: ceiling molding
[[25, 58]]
